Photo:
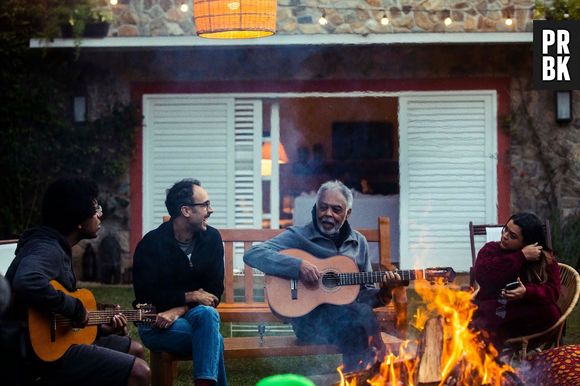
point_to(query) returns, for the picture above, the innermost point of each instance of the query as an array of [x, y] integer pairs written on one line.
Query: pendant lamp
[[234, 19]]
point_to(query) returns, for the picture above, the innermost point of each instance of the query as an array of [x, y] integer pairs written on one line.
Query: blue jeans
[[197, 333]]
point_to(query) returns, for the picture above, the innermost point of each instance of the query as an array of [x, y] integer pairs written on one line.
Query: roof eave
[[290, 40]]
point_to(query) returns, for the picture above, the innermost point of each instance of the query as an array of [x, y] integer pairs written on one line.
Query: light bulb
[[233, 5], [384, 20], [184, 7], [509, 21], [448, 21], [114, 2], [322, 20]]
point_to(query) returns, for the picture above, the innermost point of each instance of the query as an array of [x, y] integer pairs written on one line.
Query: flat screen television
[[371, 140]]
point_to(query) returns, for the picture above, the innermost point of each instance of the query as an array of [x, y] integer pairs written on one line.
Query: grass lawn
[[246, 372]]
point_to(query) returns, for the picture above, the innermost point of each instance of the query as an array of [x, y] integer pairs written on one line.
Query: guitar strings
[[99, 317], [358, 277]]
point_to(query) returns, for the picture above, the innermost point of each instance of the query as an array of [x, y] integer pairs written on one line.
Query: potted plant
[[85, 19], [74, 19]]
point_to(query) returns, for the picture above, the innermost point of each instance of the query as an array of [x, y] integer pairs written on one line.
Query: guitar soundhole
[[330, 280]]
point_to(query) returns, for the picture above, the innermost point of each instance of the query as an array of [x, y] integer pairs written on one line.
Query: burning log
[[450, 351], [431, 352], [432, 359]]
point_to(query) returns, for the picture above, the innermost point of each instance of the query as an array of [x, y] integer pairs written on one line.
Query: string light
[[323, 20], [384, 19]]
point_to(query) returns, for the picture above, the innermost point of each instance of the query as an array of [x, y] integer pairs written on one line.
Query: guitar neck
[[104, 316], [377, 276]]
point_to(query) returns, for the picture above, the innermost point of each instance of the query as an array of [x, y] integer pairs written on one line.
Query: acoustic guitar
[[52, 334], [339, 283]]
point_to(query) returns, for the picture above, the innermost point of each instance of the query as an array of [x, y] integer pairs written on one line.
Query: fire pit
[[447, 351]]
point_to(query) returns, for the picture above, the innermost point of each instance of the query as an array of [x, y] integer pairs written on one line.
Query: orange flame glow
[[464, 355]]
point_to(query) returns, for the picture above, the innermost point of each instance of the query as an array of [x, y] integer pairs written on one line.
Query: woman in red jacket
[[521, 257]]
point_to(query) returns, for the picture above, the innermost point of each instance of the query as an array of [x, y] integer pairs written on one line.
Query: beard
[[332, 232]]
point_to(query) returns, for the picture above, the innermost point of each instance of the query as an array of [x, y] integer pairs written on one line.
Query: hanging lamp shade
[[234, 19]]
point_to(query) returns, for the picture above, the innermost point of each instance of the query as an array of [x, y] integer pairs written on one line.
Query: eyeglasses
[[207, 204], [511, 235], [99, 211]]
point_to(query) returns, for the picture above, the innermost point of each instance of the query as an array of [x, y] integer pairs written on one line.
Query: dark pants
[[349, 327], [105, 362]]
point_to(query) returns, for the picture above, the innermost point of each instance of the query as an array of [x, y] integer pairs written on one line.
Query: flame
[[343, 380], [465, 357], [421, 318]]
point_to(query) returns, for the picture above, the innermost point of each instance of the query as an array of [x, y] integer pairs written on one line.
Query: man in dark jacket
[[179, 268], [70, 213]]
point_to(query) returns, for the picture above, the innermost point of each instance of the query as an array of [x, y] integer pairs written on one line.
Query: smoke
[[536, 371]]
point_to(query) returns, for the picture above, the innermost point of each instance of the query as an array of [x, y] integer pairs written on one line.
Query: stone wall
[[545, 155], [164, 17], [114, 198]]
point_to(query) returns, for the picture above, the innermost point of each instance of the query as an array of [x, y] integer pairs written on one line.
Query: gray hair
[[339, 187]]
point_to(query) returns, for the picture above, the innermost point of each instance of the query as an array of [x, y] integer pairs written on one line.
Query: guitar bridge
[[294, 289]]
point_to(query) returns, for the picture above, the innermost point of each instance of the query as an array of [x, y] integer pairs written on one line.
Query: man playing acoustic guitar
[[43, 282], [353, 327]]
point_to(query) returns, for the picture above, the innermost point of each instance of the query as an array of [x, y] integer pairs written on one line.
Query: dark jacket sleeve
[[42, 263], [216, 286], [148, 285], [266, 256]]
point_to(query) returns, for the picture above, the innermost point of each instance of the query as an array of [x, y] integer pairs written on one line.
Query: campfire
[[447, 352]]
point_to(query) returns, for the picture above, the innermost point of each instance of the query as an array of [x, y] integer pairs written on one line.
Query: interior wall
[[307, 123]]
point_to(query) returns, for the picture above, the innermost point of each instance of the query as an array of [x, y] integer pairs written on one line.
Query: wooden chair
[[570, 290]]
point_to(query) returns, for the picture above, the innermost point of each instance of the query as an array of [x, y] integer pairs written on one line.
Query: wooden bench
[[163, 364]]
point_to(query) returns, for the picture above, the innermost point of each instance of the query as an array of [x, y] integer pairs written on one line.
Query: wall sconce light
[[79, 108], [267, 157], [563, 106], [79, 101]]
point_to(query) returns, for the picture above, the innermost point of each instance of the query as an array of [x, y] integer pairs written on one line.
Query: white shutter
[[448, 153], [248, 140], [247, 179], [213, 139]]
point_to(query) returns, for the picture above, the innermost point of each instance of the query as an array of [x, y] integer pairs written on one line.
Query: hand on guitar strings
[[117, 325], [390, 280], [80, 316], [309, 273]]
